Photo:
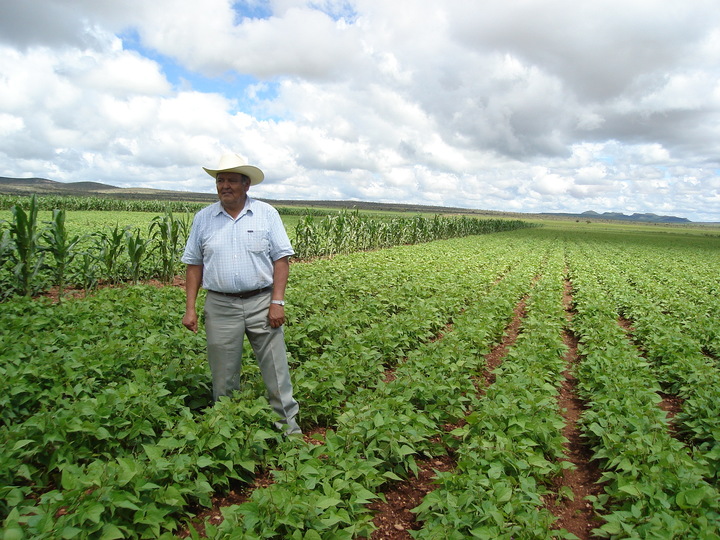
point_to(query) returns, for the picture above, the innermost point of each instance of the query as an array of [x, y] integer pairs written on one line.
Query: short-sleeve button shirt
[[237, 254]]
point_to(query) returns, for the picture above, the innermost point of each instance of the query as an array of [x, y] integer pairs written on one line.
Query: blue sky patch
[[246, 90]]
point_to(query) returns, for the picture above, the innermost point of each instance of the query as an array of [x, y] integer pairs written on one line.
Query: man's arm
[[281, 271], [193, 280]]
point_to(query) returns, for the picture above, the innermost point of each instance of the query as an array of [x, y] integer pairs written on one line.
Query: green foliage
[[654, 487], [79, 203], [347, 232], [107, 249], [26, 258], [107, 430], [169, 235], [119, 253], [136, 247], [62, 246], [511, 446]]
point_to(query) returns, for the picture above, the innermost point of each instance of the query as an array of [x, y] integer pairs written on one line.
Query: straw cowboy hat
[[237, 164]]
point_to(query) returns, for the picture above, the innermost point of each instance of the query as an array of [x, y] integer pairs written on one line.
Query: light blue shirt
[[237, 254]]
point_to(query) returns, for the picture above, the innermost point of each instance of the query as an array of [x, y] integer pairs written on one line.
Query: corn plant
[[61, 246], [168, 234], [67, 202], [27, 256], [87, 272], [137, 249], [109, 245], [346, 232]]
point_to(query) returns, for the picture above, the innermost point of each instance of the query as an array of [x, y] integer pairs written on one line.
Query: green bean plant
[[6, 247]]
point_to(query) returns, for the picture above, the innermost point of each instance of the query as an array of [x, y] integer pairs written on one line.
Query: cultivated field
[[552, 382]]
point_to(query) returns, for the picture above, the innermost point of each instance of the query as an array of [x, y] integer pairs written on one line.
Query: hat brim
[[256, 175]]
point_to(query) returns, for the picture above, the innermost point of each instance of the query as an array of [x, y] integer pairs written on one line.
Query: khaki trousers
[[227, 321]]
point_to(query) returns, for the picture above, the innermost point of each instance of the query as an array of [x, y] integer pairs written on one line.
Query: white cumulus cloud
[[530, 106]]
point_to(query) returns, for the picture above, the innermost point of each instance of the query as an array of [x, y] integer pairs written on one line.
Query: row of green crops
[[656, 486], [106, 428], [82, 203], [511, 446], [83, 357], [352, 231], [682, 343], [97, 203], [36, 255]]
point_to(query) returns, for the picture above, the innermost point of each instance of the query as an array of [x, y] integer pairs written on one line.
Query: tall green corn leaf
[[137, 248], [168, 234], [61, 246], [27, 257]]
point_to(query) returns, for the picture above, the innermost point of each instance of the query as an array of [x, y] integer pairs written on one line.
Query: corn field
[[67, 202], [36, 256], [82, 203], [348, 232]]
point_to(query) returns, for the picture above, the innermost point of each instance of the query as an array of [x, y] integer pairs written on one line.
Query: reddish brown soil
[[575, 514], [393, 517], [672, 405], [54, 293]]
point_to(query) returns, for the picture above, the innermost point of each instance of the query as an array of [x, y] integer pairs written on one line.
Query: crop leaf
[[690, 498], [326, 502], [111, 532], [631, 489], [94, 512]]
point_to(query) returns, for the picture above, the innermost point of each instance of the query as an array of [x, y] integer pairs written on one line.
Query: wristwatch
[[278, 302]]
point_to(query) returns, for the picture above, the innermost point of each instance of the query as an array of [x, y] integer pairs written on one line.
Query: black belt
[[246, 294]]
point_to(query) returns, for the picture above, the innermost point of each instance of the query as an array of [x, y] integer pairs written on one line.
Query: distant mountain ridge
[[645, 218], [43, 186]]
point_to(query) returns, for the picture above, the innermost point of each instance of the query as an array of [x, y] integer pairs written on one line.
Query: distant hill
[[43, 186], [644, 218]]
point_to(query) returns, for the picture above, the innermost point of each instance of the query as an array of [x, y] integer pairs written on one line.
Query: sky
[[507, 105]]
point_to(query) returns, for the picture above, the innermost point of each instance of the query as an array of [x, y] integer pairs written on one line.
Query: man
[[239, 251]]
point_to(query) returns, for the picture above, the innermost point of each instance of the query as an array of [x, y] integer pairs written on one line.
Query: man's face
[[232, 187]]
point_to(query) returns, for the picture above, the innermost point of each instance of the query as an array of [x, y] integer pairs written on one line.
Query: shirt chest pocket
[[257, 240]]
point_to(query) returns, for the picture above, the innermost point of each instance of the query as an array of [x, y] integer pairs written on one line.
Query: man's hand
[[190, 321], [276, 315]]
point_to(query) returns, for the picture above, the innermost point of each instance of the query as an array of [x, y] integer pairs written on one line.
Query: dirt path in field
[[575, 514]]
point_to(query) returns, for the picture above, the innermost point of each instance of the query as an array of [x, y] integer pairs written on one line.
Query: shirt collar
[[248, 208]]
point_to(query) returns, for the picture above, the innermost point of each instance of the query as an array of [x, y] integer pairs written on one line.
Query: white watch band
[[278, 302]]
